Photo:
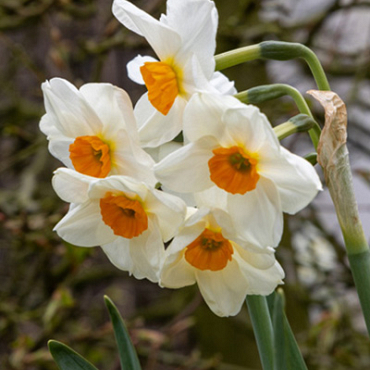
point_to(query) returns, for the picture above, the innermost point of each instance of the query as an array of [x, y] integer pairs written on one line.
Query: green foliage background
[[50, 289]]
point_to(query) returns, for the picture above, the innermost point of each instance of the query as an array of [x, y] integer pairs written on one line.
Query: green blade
[[279, 333], [127, 353], [263, 330], [67, 359], [287, 353]]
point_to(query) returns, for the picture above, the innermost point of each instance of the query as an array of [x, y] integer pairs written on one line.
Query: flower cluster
[[216, 200]]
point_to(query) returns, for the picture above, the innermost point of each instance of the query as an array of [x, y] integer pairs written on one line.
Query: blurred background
[[50, 289]]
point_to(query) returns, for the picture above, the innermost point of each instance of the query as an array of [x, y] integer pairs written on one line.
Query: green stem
[[234, 57], [311, 157], [262, 93], [341, 190], [298, 123], [360, 267], [333, 157], [276, 50], [263, 330]]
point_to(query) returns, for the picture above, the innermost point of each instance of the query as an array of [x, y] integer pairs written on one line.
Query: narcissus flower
[[225, 269], [129, 219], [234, 161], [184, 41], [93, 130]]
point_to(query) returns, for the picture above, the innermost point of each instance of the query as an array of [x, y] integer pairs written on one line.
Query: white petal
[[125, 184], [261, 258], [131, 160], [193, 227], [68, 110], [186, 170], [214, 197], [224, 220], [196, 22], [140, 256], [224, 290], [262, 276], [163, 150], [118, 253], [223, 84], [246, 125], [113, 106], [295, 179], [216, 113], [71, 186], [202, 117], [133, 68], [168, 209], [257, 214], [177, 273], [164, 41], [48, 127], [59, 148], [193, 77], [83, 226], [188, 198], [154, 127], [147, 253]]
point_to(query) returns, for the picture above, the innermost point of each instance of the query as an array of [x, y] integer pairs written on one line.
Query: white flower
[[93, 130], [184, 41], [225, 269], [235, 162], [129, 219]]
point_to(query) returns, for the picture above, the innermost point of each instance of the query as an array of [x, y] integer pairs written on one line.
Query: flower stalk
[[276, 50], [237, 56], [298, 123], [263, 93]]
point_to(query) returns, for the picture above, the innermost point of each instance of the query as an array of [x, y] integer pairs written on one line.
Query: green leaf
[[287, 353], [127, 353], [279, 334], [67, 359], [263, 330]]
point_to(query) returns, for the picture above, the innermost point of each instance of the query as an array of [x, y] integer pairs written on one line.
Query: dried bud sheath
[[332, 154]]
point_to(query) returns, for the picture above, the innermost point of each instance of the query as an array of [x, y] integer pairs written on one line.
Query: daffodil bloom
[[127, 218], [225, 268], [184, 41], [234, 161], [93, 130]]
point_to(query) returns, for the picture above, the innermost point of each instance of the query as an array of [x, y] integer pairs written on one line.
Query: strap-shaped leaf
[[263, 330], [127, 353], [287, 353], [67, 359]]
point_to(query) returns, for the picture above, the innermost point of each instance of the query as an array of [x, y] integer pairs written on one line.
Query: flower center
[[209, 251], [161, 82], [233, 170], [126, 217], [90, 156]]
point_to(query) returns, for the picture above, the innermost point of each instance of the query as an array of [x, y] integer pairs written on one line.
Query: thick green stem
[[333, 158], [263, 330], [262, 93], [360, 267], [276, 50]]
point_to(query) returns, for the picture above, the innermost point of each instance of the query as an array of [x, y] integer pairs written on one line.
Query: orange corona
[[126, 217], [90, 156], [233, 170], [161, 82], [210, 251]]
